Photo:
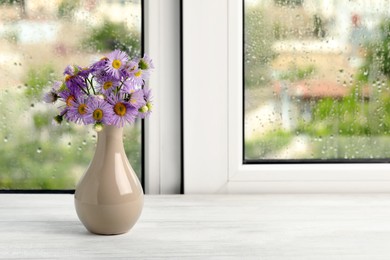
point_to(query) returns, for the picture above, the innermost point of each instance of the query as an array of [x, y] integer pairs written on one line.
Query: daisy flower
[[99, 65], [136, 77], [123, 112], [139, 73], [137, 99], [77, 112], [98, 111], [106, 83], [73, 80], [116, 63], [68, 96]]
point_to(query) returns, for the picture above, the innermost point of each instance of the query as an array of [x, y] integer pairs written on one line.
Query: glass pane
[[38, 39], [317, 79]]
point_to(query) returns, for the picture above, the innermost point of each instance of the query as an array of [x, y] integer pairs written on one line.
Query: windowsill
[[204, 226]]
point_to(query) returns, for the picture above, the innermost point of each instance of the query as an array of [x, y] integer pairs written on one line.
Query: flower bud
[[143, 109], [57, 120], [98, 127], [149, 105]]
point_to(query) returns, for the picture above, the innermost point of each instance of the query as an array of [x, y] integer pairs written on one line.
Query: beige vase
[[109, 196]]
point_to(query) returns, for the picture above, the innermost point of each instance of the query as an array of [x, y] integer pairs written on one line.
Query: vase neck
[[111, 130], [110, 136]]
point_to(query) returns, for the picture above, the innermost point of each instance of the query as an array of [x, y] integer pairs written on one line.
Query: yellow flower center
[[82, 109], [69, 100], [68, 77], [133, 101], [138, 73], [120, 109], [116, 64], [107, 85], [97, 114]]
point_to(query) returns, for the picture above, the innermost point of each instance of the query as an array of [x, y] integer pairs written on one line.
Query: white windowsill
[[204, 227]]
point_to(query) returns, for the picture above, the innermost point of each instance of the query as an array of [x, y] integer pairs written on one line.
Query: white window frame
[[162, 128], [212, 55]]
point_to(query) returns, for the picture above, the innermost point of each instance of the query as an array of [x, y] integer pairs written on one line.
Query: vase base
[[109, 219]]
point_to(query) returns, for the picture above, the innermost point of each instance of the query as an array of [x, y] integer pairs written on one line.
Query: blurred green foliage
[[110, 36], [349, 116], [268, 144], [258, 41], [345, 147], [10, 2], [359, 114], [37, 80], [289, 3], [66, 8], [377, 56], [34, 154], [11, 36], [298, 73]]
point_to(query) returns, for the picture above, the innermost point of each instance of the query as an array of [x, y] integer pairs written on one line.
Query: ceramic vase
[[109, 196]]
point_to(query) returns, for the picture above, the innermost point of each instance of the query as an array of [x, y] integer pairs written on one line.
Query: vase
[[109, 196]]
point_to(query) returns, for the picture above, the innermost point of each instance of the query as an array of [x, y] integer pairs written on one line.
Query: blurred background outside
[[38, 39], [317, 79]]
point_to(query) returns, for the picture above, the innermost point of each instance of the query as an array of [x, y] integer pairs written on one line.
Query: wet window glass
[[38, 39], [316, 80]]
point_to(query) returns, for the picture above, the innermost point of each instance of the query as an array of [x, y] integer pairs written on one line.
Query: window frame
[[163, 129], [223, 166], [161, 134]]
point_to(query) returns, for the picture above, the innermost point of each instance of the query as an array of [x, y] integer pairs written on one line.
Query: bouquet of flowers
[[109, 92]]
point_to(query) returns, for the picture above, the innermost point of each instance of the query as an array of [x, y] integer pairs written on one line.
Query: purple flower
[[106, 83], [139, 71], [108, 86], [101, 75], [122, 111], [137, 99], [128, 87], [116, 63], [99, 65], [52, 95], [77, 112], [68, 96], [146, 109], [98, 111], [108, 92], [136, 77], [74, 81], [145, 63]]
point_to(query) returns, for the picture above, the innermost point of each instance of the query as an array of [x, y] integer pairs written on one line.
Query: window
[[38, 40], [316, 79], [214, 116]]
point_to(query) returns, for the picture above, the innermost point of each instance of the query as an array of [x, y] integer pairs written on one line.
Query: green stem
[[86, 84], [87, 93], [120, 87], [93, 88]]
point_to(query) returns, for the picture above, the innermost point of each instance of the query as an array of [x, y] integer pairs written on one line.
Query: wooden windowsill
[[204, 227]]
